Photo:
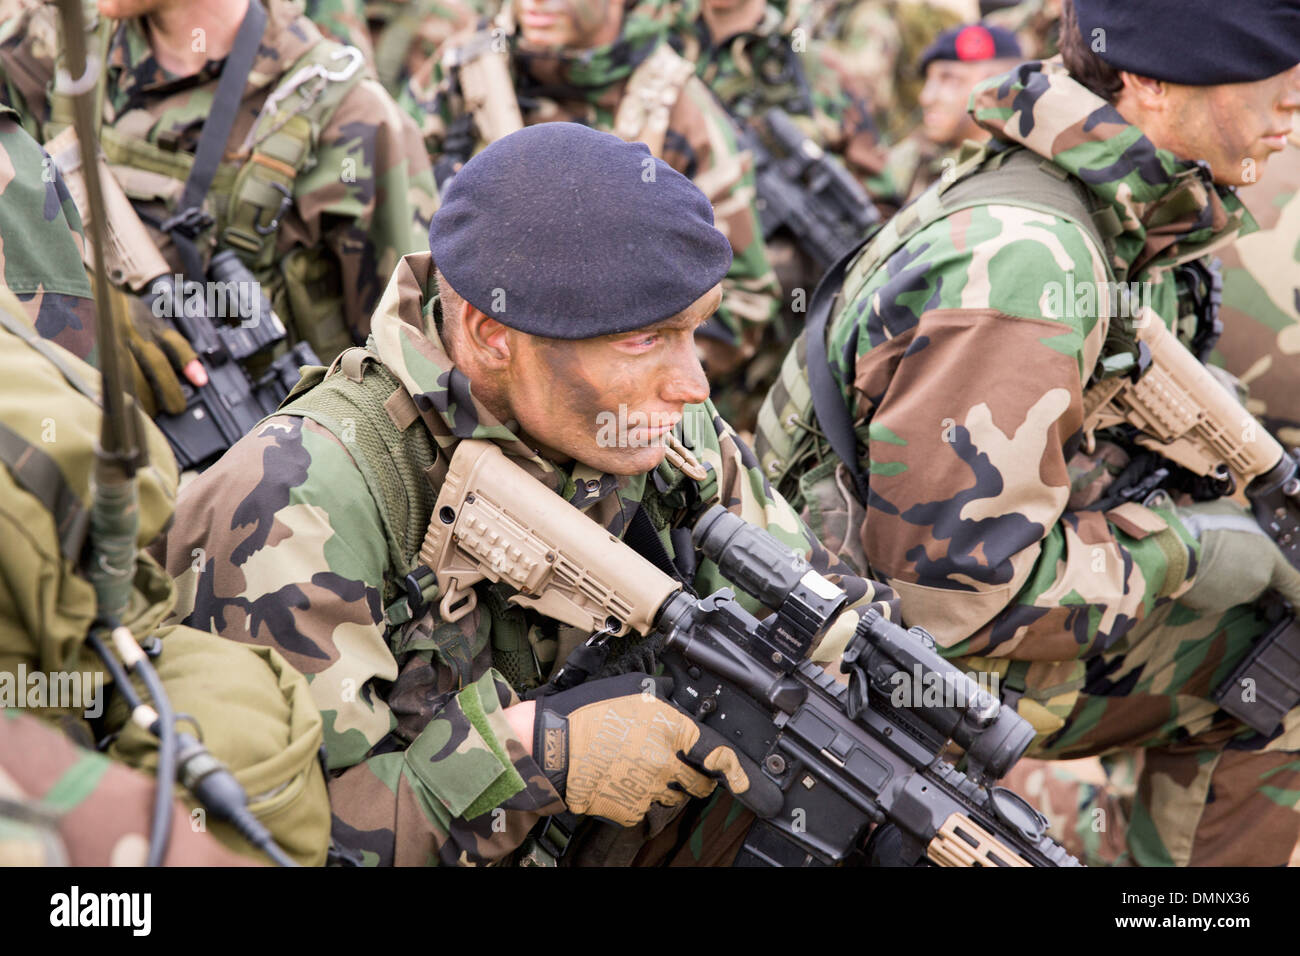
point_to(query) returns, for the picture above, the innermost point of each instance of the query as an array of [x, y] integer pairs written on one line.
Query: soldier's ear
[[1150, 95], [486, 338]]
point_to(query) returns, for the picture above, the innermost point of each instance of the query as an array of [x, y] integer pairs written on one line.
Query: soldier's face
[[570, 24], [1234, 127], [608, 402], [943, 99]]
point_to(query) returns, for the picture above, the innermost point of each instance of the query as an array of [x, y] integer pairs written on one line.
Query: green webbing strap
[[393, 462], [39, 475]]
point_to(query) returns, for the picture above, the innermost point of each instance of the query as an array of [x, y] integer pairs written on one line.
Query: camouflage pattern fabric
[[41, 242], [343, 21], [965, 375], [875, 44], [1087, 802], [426, 769], [587, 86], [1261, 298], [61, 805], [364, 203], [406, 34], [748, 72]]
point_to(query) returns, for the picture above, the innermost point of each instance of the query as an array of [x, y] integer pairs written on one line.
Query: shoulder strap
[[1016, 178], [190, 219], [282, 143], [651, 93], [358, 402], [482, 70]]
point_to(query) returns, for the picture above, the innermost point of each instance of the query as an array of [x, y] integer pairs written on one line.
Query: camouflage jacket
[[361, 201], [776, 64], [964, 359], [700, 141], [1261, 298], [41, 242], [292, 554]]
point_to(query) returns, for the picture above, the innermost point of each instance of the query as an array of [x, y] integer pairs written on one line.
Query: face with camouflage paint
[[1233, 127], [948, 84], [570, 24], [607, 402]]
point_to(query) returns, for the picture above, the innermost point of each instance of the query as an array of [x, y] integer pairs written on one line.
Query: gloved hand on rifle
[[159, 356], [1238, 562], [614, 746]]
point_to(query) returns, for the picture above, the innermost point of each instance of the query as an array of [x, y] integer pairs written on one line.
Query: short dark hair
[[1085, 65]]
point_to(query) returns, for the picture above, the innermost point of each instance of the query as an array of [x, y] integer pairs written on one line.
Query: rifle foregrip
[[961, 842]]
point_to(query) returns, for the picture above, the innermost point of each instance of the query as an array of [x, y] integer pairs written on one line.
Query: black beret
[[972, 42], [1194, 42], [563, 231]]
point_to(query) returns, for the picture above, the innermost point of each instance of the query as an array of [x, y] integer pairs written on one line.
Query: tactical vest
[[252, 189], [364, 406], [791, 447]]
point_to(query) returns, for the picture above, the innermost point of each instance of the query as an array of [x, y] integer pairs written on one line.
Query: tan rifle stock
[[494, 521]]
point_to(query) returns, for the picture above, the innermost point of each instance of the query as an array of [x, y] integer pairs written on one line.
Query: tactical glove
[[159, 355], [614, 746], [1238, 562]]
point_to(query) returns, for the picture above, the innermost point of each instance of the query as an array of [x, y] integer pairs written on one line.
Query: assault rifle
[[841, 757], [220, 413], [1184, 414], [804, 190]]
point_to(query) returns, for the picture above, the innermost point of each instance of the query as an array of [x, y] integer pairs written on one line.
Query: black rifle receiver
[[845, 756]]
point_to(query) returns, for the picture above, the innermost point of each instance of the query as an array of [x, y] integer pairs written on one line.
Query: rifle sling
[[828, 404], [186, 224]]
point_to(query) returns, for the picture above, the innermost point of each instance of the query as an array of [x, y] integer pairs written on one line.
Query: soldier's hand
[[159, 356], [1238, 563], [613, 747]]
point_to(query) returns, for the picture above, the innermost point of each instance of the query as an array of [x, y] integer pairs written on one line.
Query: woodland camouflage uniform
[[361, 186], [967, 384], [1261, 298], [40, 242], [699, 142], [752, 72], [296, 559]]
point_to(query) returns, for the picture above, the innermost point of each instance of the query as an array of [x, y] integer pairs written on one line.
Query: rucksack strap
[[190, 219]]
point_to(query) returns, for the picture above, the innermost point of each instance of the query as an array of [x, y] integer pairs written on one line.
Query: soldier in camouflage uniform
[[253, 711], [40, 242], [872, 44], [320, 196], [427, 736], [616, 72], [755, 55], [1108, 623], [953, 65]]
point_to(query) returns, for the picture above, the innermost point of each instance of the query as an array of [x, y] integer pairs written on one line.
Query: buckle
[[552, 836], [286, 199], [188, 222]]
